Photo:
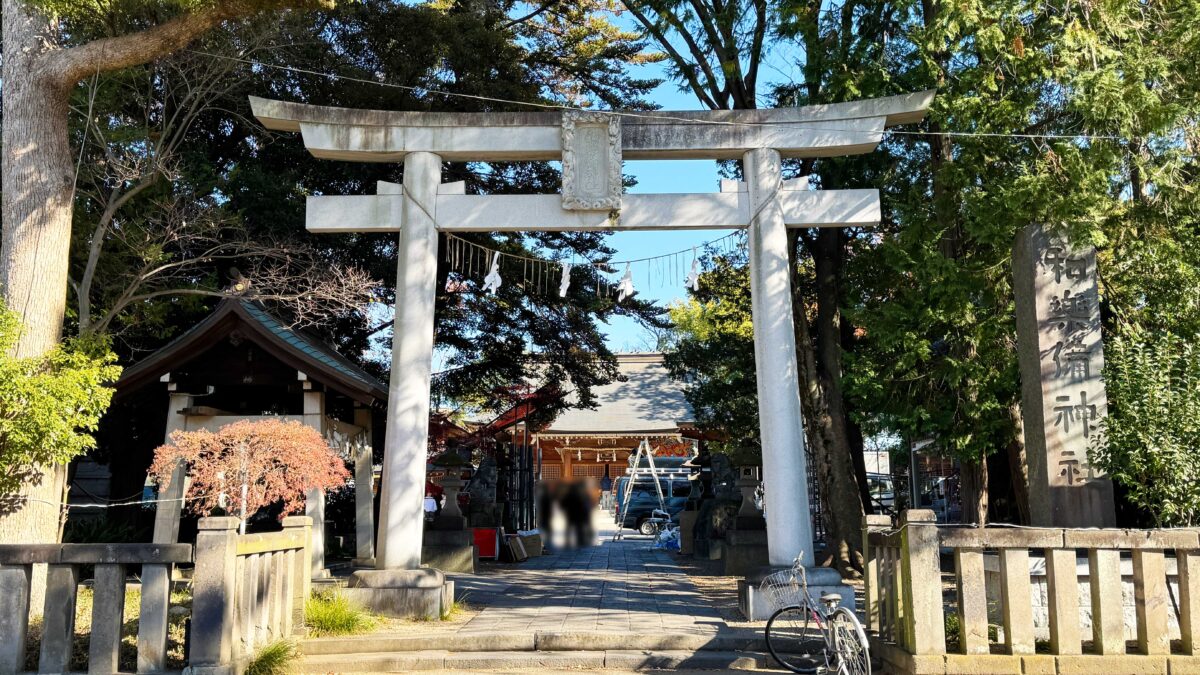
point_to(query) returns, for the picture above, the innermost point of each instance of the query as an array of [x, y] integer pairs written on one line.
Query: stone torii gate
[[591, 146]]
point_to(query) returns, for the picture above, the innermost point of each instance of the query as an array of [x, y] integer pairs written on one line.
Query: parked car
[[642, 506]]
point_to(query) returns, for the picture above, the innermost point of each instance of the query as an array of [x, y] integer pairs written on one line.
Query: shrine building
[[643, 402]]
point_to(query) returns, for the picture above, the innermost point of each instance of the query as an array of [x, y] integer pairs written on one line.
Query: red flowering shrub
[[277, 460]]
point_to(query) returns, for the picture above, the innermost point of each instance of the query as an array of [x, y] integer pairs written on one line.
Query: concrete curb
[[629, 660], [545, 641]]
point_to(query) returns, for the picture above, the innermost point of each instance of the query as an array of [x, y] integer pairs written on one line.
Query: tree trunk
[[38, 177], [829, 265], [1018, 464], [974, 492], [854, 434], [832, 462]]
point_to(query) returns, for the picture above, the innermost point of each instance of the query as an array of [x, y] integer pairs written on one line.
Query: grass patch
[[456, 609], [275, 658], [333, 614]]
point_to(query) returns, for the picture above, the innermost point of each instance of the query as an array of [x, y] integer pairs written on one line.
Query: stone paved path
[[619, 586]]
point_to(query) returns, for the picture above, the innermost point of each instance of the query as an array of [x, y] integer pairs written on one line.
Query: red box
[[487, 541]]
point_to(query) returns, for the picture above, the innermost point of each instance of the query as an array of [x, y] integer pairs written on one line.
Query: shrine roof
[[644, 400], [294, 347]]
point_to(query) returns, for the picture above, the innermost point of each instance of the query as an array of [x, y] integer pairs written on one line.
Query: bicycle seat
[[831, 598]]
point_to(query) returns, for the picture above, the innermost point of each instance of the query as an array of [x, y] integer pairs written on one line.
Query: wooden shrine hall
[[242, 362], [643, 402]]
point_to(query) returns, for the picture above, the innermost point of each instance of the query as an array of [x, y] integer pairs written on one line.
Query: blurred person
[[545, 514], [577, 507]]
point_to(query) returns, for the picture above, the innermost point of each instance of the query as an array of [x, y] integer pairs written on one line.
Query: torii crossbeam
[[591, 147]]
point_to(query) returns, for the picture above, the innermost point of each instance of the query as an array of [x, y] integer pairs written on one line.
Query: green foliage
[[275, 658], [938, 358], [334, 614], [49, 405], [1151, 437], [714, 357]]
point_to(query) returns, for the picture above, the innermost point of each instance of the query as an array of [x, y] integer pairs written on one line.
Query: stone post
[[1188, 564], [364, 494], [925, 628], [314, 500], [1061, 357], [14, 615], [403, 481], [301, 580], [213, 588], [58, 619], [168, 511], [872, 523], [789, 530], [108, 608], [154, 619]]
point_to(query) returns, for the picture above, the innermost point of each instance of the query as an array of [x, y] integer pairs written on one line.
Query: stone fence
[[246, 590], [1031, 600]]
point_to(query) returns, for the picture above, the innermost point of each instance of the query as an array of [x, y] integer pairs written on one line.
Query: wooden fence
[[246, 590], [906, 608]]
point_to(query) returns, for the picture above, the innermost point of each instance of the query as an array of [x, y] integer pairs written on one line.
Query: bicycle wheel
[[851, 651], [794, 638]]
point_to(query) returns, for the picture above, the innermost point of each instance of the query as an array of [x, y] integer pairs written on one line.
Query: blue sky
[[625, 334]]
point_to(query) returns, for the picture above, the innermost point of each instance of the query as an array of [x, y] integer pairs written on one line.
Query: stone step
[[544, 641], [528, 660]]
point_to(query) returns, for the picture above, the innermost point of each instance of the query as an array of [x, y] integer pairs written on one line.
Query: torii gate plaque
[[591, 147]]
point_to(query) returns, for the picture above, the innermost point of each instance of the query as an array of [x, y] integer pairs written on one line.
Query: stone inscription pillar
[[1061, 357], [789, 528], [402, 516]]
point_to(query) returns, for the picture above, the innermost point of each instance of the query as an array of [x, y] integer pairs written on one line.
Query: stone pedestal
[[449, 544], [746, 546], [716, 549], [422, 593], [757, 606], [687, 531]]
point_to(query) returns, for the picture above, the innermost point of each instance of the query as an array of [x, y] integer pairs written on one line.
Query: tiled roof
[[643, 400], [300, 350], [310, 346]]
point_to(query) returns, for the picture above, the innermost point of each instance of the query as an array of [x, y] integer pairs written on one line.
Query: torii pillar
[[401, 512]]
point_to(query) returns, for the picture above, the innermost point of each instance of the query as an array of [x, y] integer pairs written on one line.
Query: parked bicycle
[[807, 636]]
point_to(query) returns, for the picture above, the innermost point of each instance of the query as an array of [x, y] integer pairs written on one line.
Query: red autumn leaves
[[277, 460]]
